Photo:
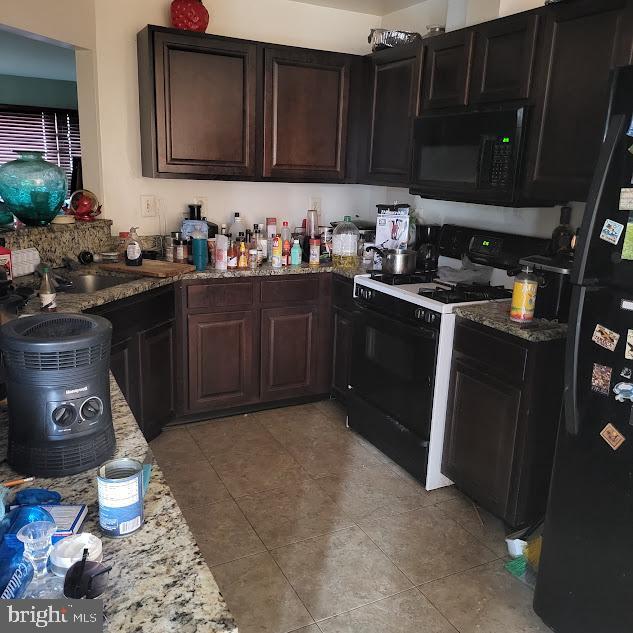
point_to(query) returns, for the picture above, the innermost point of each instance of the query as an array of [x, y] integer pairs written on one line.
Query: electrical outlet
[[203, 201], [315, 203], [148, 207]]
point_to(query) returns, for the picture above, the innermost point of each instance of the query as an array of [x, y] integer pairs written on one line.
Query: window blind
[[53, 132]]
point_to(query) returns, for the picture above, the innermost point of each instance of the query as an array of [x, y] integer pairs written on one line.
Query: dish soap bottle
[[48, 294], [133, 251], [524, 296]]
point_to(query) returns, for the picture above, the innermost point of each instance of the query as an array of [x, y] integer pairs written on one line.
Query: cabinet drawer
[[221, 295], [501, 357], [299, 290]]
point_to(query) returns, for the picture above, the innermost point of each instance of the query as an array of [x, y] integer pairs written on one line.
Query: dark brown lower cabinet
[[142, 355], [248, 342], [222, 359], [289, 340], [503, 413]]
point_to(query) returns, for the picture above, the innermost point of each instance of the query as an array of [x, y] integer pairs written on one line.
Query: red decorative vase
[[190, 15]]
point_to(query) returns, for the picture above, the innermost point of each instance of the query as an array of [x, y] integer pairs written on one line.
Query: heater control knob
[[64, 415], [90, 409]]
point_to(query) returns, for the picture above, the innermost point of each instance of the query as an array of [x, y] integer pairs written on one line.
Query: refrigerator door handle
[[572, 418], [617, 127]]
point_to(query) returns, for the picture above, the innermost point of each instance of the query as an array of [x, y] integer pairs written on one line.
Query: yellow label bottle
[[524, 296]]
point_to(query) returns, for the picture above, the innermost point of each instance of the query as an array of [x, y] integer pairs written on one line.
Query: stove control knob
[[90, 409], [419, 314], [64, 415], [430, 317]]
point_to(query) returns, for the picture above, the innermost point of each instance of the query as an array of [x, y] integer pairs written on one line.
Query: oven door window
[[393, 369]]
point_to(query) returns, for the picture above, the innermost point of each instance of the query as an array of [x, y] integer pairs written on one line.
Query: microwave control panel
[[497, 161]]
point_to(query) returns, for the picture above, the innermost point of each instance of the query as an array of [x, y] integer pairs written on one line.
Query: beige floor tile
[[293, 513], [339, 571], [485, 527], [333, 409], [232, 435], [259, 597], [408, 612], [249, 473], [195, 484], [426, 545], [175, 446], [313, 628], [486, 599], [298, 425], [222, 532], [374, 491]]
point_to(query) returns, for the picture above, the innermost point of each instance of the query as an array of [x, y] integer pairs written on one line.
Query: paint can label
[[120, 490]]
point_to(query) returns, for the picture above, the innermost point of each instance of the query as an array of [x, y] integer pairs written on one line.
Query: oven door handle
[[422, 330]]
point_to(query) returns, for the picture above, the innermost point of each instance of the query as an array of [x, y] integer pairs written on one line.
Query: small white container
[[71, 549]]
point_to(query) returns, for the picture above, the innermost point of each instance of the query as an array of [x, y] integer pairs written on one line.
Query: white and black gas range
[[403, 346]]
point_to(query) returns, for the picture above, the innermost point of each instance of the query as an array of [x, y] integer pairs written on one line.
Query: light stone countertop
[[71, 302], [496, 315], [160, 583]]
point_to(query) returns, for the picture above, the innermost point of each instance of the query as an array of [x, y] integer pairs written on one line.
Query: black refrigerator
[[585, 579]]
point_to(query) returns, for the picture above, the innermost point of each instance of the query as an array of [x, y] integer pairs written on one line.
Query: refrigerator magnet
[[626, 199], [626, 373], [605, 337], [601, 379], [628, 350], [612, 436], [611, 231], [623, 391]]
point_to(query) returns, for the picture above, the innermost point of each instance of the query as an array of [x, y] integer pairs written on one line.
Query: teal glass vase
[[32, 188]]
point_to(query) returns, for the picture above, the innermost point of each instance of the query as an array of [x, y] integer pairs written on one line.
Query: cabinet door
[[122, 367], [584, 40], [343, 338], [205, 106], [306, 103], [482, 421], [447, 68], [394, 97], [289, 348], [223, 360], [504, 58], [156, 356]]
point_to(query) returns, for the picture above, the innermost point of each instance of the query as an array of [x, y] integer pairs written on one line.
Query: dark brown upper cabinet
[[447, 67], [392, 98], [504, 59], [582, 41], [198, 105], [306, 102]]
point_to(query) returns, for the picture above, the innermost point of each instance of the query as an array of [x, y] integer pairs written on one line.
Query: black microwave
[[469, 156]]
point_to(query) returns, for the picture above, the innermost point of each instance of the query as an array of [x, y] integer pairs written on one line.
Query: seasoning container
[[277, 251], [315, 252], [122, 244], [524, 295], [252, 258], [181, 251], [133, 250], [242, 258], [271, 231]]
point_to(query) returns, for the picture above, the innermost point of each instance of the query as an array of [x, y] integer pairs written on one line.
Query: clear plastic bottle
[[345, 244], [133, 250], [295, 254], [238, 226], [48, 294], [524, 296], [286, 244]]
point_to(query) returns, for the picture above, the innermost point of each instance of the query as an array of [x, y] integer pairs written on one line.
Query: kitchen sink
[[89, 282]]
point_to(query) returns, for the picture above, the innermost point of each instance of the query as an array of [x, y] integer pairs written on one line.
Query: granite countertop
[[78, 302], [159, 582], [496, 314]]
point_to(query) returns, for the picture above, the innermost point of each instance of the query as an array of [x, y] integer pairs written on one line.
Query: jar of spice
[[181, 251], [252, 258]]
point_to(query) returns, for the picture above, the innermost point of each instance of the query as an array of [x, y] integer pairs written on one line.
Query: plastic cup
[[37, 539]]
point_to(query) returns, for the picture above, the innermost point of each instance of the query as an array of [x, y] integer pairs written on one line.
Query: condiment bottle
[[277, 251], [271, 231], [221, 250], [252, 258], [315, 252], [524, 295], [286, 244], [48, 295], [232, 255], [133, 251], [295, 254], [242, 259]]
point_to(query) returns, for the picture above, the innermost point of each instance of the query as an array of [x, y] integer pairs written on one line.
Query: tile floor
[[309, 528]]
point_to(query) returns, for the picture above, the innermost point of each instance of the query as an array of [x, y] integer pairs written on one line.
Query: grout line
[[436, 607]]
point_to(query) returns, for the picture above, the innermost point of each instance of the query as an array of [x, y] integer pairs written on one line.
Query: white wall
[[279, 21], [417, 17], [508, 7]]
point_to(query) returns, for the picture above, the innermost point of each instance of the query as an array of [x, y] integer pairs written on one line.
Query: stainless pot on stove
[[396, 261]]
